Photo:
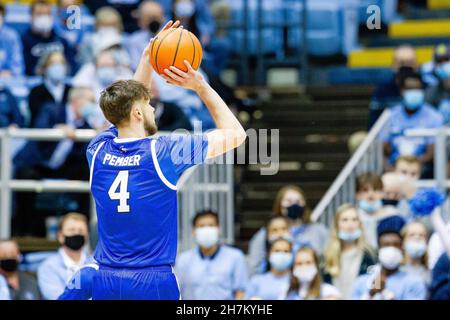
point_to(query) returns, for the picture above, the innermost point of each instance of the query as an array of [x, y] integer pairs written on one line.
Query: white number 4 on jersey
[[121, 183]]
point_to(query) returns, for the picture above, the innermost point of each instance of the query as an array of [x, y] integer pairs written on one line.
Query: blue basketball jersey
[[133, 182]]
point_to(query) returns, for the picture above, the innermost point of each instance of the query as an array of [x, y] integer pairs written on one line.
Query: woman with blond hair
[[291, 203], [306, 282], [347, 255]]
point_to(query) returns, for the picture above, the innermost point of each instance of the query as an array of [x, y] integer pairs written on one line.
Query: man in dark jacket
[[440, 283], [9, 110]]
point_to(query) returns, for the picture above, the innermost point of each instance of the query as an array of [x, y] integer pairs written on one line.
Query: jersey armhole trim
[[158, 168], [93, 162]]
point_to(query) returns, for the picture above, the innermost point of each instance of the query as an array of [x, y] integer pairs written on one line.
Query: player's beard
[[150, 127]]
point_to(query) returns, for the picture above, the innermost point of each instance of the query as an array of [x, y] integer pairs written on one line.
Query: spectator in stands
[[11, 52], [436, 247], [432, 72], [290, 202], [347, 255], [80, 287], [386, 281], [10, 114], [150, 17], [388, 93], [306, 282], [21, 285], [102, 73], [41, 38], [108, 35], [125, 8], [412, 113], [4, 291], [409, 167], [65, 159], [392, 189], [57, 270], [168, 116], [54, 91], [273, 283], [211, 271], [415, 242], [66, 25], [277, 227], [440, 284], [369, 194]]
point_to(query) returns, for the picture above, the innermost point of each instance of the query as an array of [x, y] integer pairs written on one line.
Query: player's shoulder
[[106, 135]]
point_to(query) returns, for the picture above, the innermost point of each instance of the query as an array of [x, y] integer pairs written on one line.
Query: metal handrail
[[350, 167]]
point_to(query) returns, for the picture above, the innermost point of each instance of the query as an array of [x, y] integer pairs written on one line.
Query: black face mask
[[75, 242], [9, 265], [389, 202], [154, 26], [295, 211]]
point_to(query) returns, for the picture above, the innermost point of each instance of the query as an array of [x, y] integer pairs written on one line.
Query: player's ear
[[136, 111]]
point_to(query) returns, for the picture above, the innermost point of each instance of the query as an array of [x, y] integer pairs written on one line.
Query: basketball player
[[133, 181]]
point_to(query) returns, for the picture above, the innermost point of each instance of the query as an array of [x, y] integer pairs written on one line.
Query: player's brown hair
[[368, 179], [72, 216], [117, 100]]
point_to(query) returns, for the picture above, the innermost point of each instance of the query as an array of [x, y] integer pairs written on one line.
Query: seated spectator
[[80, 287], [9, 110], [70, 30], [211, 271], [306, 282], [4, 291], [440, 283], [11, 51], [108, 35], [54, 91], [412, 113], [101, 74], [41, 38], [369, 194], [347, 255], [436, 247], [150, 18], [57, 270], [22, 286], [273, 283], [392, 189], [415, 243], [168, 116], [388, 94], [277, 227], [124, 8], [65, 159], [290, 202], [386, 281], [433, 71], [408, 166]]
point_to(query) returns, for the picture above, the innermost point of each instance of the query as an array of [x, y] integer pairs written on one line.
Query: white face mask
[[415, 248], [305, 274], [207, 237], [390, 257], [43, 24]]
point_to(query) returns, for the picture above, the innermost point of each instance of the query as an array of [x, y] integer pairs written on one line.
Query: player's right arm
[[229, 133]]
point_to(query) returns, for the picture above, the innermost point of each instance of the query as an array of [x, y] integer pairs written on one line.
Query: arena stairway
[[314, 128]]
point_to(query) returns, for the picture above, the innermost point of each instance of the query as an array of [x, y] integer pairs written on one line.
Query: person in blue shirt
[[9, 110], [133, 182], [80, 287], [41, 38], [211, 270], [11, 52], [272, 284], [412, 113], [54, 273], [4, 290], [66, 26], [386, 281]]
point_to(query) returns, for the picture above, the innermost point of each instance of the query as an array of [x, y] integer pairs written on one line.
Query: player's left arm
[[144, 69]]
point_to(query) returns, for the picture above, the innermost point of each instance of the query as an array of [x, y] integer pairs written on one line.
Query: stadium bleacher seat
[[438, 4], [420, 28], [358, 76]]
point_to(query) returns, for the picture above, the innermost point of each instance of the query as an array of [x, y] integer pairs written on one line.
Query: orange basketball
[[171, 47]]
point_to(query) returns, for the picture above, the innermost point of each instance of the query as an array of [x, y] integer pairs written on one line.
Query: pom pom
[[425, 201]]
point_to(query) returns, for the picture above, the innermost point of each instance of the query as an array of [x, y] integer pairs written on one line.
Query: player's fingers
[[168, 25], [188, 65], [176, 24], [170, 80], [173, 75], [179, 72]]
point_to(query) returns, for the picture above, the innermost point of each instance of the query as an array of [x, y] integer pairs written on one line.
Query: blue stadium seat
[[18, 17], [358, 76]]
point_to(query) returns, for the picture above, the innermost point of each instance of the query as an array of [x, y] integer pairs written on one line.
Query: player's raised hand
[[192, 79], [168, 25]]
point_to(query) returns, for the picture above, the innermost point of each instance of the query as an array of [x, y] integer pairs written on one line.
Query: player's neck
[[131, 132]]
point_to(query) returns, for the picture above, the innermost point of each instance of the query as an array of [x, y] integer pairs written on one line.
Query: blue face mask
[[184, 9], [370, 207], [413, 99], [443, 70], [56, 72], [88, 110], [106, 75], [281, 261], [349, 236]]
